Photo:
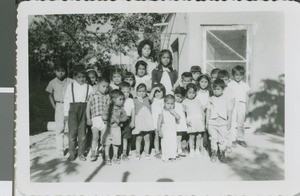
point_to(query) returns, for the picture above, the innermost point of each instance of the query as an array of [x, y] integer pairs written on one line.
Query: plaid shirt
[[98, 103]]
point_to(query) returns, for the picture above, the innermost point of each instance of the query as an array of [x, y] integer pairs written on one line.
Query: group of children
[[150, 104]]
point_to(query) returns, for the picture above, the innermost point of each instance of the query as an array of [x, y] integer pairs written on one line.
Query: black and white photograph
[[153, 96]]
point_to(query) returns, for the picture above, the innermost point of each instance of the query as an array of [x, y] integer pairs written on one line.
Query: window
[[227, 46]]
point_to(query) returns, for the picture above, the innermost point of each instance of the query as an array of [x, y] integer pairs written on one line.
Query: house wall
[[267, 40]]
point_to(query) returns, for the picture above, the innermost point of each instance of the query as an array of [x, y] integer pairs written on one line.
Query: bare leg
[[115, 151], [147, 143], [156, 142], [191, 142], [125, 145], [179, 150], [107, 147], [95, 139], [138, 144], [199, 141]]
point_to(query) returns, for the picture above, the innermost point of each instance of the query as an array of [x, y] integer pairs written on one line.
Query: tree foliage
[[71, 39], [270, 105]]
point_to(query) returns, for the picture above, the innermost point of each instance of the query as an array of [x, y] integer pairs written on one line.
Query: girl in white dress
[[167, 125], [141, 75], [195, 119], [182, 124], [158, 93], [203, 96]]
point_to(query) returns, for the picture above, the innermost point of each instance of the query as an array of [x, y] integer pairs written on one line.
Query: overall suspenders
[[86, 96]]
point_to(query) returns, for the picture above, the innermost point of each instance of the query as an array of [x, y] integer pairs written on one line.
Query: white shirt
[[240, 90], [166, 81], [128, 106], [145, 79], [203, 97], [218, 107], [80, 95]]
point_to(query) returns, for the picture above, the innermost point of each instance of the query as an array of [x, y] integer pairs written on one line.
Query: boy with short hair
[[214, 74], [196, 72], [228, 92], [57, 89], [96, 106], [240, 90], [75, 102], [219, 117], [186, 78]]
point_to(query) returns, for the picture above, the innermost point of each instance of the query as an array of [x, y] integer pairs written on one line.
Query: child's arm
[[177, 117], [159, 123], [88, 114], [123, 116], [67, 101], [132, 123], [207, 117], [52, 101], [151, 95], [177, 83]]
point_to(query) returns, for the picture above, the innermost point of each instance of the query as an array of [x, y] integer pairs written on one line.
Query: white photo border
[[292, 104]]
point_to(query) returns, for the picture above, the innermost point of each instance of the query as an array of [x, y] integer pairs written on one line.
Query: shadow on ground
[[52, 170], [263, 167]]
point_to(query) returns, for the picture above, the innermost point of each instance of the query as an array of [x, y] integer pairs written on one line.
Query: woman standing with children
[[148, 100]]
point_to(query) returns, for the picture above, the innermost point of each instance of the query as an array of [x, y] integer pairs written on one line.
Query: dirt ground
[[263, 159]]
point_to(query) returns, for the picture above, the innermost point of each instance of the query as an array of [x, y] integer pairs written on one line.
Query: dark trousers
[[77, 126]]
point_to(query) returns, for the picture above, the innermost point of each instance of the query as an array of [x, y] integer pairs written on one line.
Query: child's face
[[103, 87], [225, 79], [126, 92], [146, 50], [159, 94], [80, 78], [92, 77], [141, 92], [214, 77], [191, 93], [129, 80], [196, 75], [238, 77], [203, 83], [141, 71], [60, 73], [117, 78], [218, 91], [165, 59], [169, 104], [185, 81], [178, 98], [119, 101]]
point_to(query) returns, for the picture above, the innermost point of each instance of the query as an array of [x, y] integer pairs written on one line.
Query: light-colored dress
[[195, 115], [156, 108], [143, 118], [181, 125], [203, 97], [169, 140], [166, 81]]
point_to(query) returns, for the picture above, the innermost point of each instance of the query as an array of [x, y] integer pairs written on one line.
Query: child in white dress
[[158, 93], [143, 121], [195, 119], [167, 126], [182, 124]]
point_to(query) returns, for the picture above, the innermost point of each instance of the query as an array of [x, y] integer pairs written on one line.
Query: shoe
[[107, 162], [137, 157], [71, 158], [116, 160], [82, 158], [182, 155], [222, 157], [213, 157], [234, 144], [147, 156], [93, 158], [229, 149], [198, 154], [172, 160], [192, 153], [157, 156], [124, 157], [242, 143]]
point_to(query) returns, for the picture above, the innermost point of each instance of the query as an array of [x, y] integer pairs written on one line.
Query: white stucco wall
[[267, 40]]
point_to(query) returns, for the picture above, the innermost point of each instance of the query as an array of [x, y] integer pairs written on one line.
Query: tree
[[70, 39], [270, 106]]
